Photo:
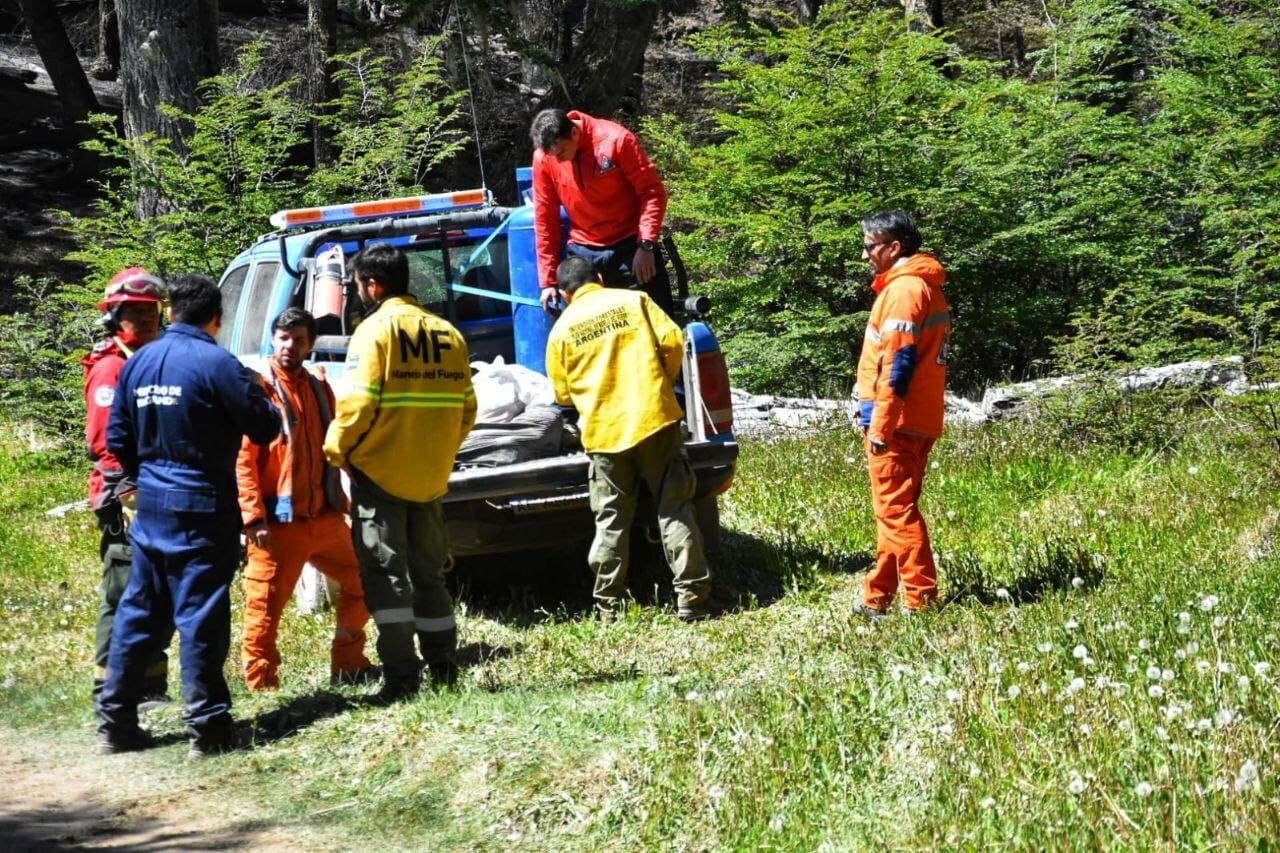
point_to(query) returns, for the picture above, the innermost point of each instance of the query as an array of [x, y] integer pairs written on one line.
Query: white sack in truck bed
[[503, 391]]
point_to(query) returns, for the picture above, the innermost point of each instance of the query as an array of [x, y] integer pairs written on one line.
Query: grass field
[[1105, 672]]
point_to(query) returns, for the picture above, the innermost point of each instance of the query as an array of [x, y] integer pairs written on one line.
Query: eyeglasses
[[867, 247]]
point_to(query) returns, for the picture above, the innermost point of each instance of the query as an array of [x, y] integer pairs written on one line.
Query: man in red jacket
[[614, 197], [131, 314], [902, 375]]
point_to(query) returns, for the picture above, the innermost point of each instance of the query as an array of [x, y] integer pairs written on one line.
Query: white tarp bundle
[[504, 390]]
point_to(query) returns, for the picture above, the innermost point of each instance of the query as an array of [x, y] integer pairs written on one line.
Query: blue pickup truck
[[474, 263]]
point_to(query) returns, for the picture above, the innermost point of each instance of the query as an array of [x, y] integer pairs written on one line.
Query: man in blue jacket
[[181, 407]]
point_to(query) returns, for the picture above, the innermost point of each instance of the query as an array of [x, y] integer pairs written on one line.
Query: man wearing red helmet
[[131, 314]]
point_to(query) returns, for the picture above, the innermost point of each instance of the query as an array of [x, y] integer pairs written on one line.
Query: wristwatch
[[647, 245]]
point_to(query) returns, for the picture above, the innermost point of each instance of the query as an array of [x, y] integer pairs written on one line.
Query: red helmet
[[132, 285]]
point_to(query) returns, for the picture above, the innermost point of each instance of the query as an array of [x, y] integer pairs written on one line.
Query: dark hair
[[896, 224], [295, 316], [548, 126], [573, 273], [194, 299], [387, 264]]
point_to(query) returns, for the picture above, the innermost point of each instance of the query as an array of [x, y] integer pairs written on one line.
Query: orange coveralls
[[282, 484], [901, 378]]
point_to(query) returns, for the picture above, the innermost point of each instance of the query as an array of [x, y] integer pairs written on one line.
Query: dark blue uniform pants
[[613, 263], [182, 568]]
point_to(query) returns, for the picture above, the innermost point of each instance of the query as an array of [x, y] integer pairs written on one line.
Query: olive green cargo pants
[[403, 550], [615, 481], [116, 554]]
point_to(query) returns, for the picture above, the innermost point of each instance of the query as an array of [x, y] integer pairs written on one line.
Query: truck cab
[[472, 262]]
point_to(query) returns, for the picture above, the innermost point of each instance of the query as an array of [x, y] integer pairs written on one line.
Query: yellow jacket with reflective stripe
[[614, 355], [408, 403]]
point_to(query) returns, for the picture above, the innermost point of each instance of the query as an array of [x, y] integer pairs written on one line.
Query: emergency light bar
[[337, 213]]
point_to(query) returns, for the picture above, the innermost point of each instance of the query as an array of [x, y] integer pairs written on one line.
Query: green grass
[[1020, 713]]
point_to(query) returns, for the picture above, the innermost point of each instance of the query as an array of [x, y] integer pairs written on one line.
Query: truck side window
[[232, 284], [256, 307]]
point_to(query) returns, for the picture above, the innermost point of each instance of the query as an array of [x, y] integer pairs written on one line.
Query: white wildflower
[[1184, 618], [1076, 783], [989, 803], [1076, 522], [1153, 672], [1192, 647], [715, 793], [1024, 515], [951, 515], [1068, 709], [1208, 603], [1247, 778], [974, 772], [1003, 594], [1203, 666], [775, 823], [954, 695], [1179, 654], [1014, 691], [1086, 729], [1204, 724], [1144, 644], [1071, 624], [1102, 513], [1080, 652], [1044, 648], [1224, 717], [1101, 682], [1077, 582], [1077, 684], [1024, 667], [1162, 733], [1143, 789], [1219, 621], [1166, 675], [1155, 691], [1193, 470], [1124, 725], [692, 696], [1261, 668], [1225, 667]]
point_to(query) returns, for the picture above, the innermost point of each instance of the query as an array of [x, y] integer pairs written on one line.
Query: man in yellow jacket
[[409, 405], [614, 356]]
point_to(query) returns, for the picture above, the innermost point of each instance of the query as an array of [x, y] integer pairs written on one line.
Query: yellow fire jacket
[[409, 401], [614, 356]]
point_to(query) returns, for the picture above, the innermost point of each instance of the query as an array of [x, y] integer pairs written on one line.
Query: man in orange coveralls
[[901, 378], [292, 505]]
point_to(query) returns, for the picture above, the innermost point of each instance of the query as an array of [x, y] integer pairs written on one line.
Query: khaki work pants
[[615, 480], [403, 549]]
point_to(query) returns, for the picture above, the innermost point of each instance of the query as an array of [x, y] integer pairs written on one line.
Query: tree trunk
[[107, 65], [807, 10], [166, 49], [322, 33], [60, 60]]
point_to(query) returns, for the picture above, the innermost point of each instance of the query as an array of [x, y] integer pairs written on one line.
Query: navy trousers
[[614, 265], [183, 563]]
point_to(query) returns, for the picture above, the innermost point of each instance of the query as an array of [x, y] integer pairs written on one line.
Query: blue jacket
[[181, 407]]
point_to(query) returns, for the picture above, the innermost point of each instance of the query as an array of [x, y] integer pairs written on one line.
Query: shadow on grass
[[57, 825], [294, 716], [1037, 571], [747, 572]]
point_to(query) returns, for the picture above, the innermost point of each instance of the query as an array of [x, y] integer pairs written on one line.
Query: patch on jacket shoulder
[[104, 396], [606, 164]]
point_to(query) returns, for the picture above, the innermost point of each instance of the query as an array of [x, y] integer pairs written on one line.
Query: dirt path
[[62, 796]]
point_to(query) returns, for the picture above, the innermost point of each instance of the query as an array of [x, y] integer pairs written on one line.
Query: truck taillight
[[713, 382]]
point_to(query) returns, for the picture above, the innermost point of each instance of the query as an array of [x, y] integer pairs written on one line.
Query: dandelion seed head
[[951, 515], [1166, 675], [1243, 682], [1153, 672], [1071, 624], [1219, 621], [1024, 667], [1003, 594], [1193, 470], [1155, 691], [1044, 648], [1144, 644], [1014, 691], [1077, 582], [1080, 652], [1143, 789], [1075, 784], [1261, 668], [1208, 603], [1225, 667], [1224, 717], [989, 803], [1024, 515], [954, 695], [1247, 778], [1184, 618], [1102, 513]]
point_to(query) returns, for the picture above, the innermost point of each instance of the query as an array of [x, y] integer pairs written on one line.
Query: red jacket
[[284, 481], [903, 370], [102, 366], [611, 191]]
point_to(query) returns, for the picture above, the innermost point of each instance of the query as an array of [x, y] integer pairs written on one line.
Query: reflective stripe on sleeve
[[438, 623], [393, 616], [423, 400], [368, 391], [905, 326], [872, 335], [938, 319]]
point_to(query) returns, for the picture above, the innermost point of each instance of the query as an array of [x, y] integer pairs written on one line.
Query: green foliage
[[243, 159], [1135, 167], [391, 129], [40, 348]]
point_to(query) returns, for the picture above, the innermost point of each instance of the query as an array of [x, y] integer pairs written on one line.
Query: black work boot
[[217, 739], [114, 742], [443, 675]]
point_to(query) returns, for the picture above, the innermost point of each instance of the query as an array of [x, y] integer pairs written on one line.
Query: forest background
[[1100, 177]]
